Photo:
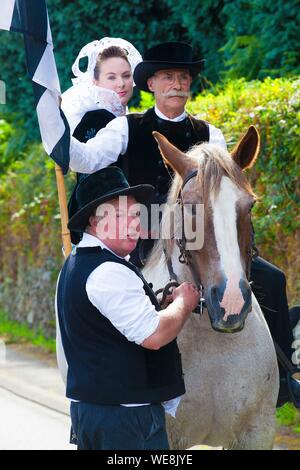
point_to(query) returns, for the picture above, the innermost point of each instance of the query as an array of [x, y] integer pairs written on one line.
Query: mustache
[[171, 93]]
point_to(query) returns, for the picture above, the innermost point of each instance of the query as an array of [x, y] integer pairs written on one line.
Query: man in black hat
[[122, 357], [167, 71]]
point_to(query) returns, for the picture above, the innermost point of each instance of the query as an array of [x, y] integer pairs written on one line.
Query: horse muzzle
[[234, 322]]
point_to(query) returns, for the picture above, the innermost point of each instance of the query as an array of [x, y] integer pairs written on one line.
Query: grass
[[15, 332], [288, 415]]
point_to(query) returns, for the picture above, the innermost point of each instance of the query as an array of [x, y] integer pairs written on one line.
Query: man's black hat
[[100, 187], [168, 55]]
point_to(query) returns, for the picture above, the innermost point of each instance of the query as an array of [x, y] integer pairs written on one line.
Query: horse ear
[[246, 151], [172, 156]]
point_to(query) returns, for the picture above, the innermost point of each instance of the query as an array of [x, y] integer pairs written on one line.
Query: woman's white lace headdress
[[94, 48]]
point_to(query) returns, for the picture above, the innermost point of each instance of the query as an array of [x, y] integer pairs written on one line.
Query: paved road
[[31, 374], [29, 426]]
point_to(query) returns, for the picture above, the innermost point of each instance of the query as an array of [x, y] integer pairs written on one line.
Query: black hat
[[102, 186], [168, 55]]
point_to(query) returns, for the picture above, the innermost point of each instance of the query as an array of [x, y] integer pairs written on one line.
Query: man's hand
[[172, 318], [189, 294]]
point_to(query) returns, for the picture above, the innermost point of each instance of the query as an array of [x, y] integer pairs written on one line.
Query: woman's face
[[115, 74]]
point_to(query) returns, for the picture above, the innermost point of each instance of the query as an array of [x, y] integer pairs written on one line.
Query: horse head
[[210, 176]]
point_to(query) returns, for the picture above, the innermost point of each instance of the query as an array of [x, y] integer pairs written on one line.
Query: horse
[[229, 361]]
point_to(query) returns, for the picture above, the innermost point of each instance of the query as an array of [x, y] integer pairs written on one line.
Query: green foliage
[[287, 415], [238, 38], [244, 57], [203, 26], [274, 107], [15, 332], [262, 38], [146, 102], [30, 249], [6, 133], [12, 140]]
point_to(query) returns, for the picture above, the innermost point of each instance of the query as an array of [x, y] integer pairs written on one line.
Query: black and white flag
[[30, 17]]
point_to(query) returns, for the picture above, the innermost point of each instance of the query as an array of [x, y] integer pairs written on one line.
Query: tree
[[263, 40]]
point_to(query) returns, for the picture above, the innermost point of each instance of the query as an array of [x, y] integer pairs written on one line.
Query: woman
[[107, 82], [100, 93]]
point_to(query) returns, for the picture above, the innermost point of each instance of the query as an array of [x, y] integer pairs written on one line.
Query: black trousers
[[115, 427], [269, 287]]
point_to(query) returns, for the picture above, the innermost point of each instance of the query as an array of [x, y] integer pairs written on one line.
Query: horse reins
[[185, 257]]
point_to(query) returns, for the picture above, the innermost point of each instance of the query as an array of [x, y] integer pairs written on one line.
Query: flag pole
[[35, 26], [61, 189]]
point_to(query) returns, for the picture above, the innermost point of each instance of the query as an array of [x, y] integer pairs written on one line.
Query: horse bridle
[[185, 256]]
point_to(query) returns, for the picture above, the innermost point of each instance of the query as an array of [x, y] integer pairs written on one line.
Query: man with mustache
[[167, 71]]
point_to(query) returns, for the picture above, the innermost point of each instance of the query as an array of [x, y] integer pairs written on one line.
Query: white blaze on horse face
[[224, 218]]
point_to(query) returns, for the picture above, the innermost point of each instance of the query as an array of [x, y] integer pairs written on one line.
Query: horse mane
[[213, 163]]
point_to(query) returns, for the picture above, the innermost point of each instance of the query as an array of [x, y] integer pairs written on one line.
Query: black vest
[[103, 366], [142, 163]]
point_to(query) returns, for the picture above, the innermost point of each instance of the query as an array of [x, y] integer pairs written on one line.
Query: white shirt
[[118, 293], [179, 118], [122, 301], [111, 141]]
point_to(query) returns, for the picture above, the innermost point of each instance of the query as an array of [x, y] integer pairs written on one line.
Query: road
[[28, 426], [37, 417]]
